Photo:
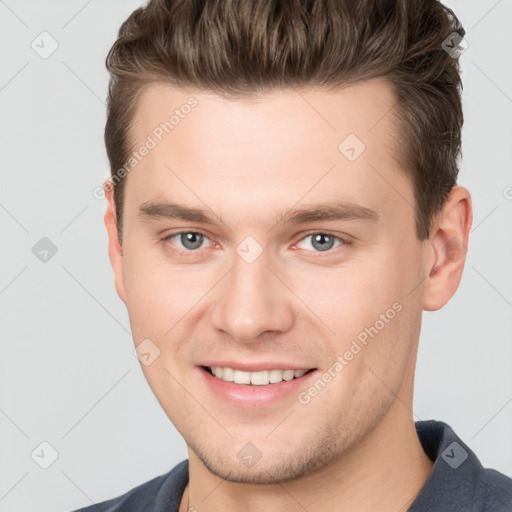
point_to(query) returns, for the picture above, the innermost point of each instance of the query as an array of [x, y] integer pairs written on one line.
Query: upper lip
[[257, 367]]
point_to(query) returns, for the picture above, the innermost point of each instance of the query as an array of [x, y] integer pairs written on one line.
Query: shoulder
[[458, 481], [162, 493], [498, 491]]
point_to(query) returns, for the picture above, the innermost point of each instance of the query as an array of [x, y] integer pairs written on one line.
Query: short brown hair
[[245, 47]]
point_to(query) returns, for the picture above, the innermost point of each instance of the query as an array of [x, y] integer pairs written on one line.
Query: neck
[[385, 471]]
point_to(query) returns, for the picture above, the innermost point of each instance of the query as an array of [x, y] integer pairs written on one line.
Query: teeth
[[242, 377], [276, 376], [228, 374], [260, 378], [255, 378], [288, 374]]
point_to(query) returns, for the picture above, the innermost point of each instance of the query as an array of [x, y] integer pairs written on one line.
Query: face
[[303, 257]]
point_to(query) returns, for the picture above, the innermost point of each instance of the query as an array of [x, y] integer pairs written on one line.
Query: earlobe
[[115, 250], [448, 240]]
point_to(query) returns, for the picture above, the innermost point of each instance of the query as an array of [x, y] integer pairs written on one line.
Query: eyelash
[[318, 254]]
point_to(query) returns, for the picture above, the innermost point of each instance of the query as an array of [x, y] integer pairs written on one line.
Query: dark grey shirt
[[458, 482]]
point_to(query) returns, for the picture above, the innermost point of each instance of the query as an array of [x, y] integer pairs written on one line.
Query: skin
[[353, 446]]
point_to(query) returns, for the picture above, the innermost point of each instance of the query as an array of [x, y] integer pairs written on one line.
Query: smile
[[260, 378]]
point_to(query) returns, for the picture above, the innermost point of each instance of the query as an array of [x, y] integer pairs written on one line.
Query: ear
[[115, 251], [448, 241]]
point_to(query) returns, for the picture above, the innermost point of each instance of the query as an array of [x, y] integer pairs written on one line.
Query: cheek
[[356, 293], [155, 292], [164, 299], [347, 298], [366, 306]]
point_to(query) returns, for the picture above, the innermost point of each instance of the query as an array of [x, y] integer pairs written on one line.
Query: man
[[282, 208]]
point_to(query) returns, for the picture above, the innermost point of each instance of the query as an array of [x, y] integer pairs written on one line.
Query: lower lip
[[250, 395]]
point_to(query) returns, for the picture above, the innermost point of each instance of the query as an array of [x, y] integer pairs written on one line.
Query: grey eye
[[322, 241], [191, 240]]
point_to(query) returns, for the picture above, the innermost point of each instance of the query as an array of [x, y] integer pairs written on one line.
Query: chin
[[278, 467]]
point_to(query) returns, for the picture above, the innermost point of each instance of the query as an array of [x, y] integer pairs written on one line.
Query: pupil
[[321, 237], [191, 240]]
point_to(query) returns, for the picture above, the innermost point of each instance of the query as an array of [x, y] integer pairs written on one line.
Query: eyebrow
[[331, 211]]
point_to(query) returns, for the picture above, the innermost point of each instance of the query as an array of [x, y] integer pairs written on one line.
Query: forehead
[[279, 147], [364, 108]]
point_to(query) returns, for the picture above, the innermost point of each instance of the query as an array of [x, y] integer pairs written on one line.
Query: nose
[[253, 300]]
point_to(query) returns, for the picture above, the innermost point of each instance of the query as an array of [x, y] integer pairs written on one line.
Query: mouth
[[256, 378], [255, 385]]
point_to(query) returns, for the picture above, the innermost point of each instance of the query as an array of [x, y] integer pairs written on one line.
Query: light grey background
[[68, 374]]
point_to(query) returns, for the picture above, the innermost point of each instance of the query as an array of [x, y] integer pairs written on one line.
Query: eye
[[190, 240], [322, 242]]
